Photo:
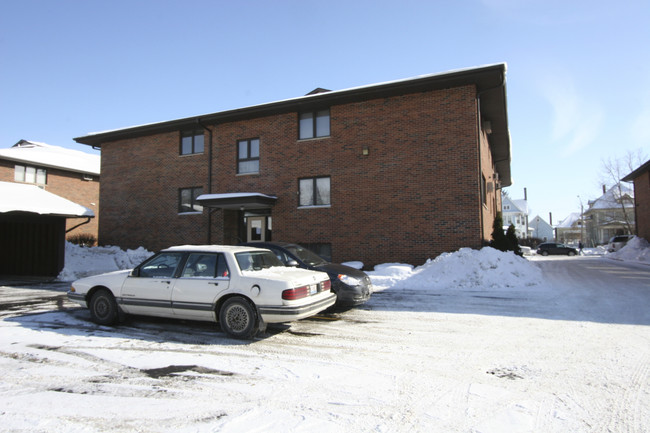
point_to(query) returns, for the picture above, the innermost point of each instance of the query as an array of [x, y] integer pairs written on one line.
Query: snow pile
[[636, 250], [464, 269], [86, 261]]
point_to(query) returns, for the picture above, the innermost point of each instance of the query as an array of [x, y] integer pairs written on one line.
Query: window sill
[[191, 213], [248, 174], [185, 155], [322, 206], [300, 140]]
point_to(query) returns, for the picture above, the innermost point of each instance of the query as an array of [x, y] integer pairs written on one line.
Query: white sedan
[[241, 288]]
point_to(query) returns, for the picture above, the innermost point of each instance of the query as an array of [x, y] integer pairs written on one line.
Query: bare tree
[[613, 170]]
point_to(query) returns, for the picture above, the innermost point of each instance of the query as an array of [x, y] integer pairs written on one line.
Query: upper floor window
[[315, 191], [192, 142], [30, 174], [248, 156], [315, 124], [187, 200]]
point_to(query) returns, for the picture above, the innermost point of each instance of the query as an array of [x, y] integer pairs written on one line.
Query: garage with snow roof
[[33, 228]]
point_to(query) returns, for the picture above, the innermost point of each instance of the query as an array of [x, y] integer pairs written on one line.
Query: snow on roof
[[569, 221], [19, 197], [612, 198], [32, 152]]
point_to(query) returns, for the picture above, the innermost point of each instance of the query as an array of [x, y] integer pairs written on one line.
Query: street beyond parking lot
[[571, 354]]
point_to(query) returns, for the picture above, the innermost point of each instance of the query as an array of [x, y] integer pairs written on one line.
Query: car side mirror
[[293, 263], [135, 273]]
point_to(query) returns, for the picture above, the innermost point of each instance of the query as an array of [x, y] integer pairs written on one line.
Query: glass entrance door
[[256, 229]]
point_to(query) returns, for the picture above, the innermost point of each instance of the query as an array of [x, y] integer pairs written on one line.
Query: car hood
[[110, 278], [334, 268]]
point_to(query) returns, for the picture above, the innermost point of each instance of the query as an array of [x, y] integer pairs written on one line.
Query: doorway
[[257, 228]]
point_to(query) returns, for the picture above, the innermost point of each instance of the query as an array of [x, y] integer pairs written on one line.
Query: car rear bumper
[[289, 313]]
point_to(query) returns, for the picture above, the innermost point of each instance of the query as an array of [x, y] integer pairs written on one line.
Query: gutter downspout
[[198, 121], [80, 224], [479, 129]]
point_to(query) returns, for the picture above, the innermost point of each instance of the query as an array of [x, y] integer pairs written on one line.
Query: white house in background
[[611, 214], [515, 212], [569, 230], [541, 229]]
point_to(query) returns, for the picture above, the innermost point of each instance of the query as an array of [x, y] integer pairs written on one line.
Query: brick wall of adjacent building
[[642, 202], [415, 195], [67, 184]]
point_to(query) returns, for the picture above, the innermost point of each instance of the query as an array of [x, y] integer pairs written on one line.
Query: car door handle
[[214, 283]]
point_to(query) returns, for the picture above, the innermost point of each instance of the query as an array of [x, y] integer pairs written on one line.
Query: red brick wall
[[140, 186], [642, 201], [416, 195], [69, 185]]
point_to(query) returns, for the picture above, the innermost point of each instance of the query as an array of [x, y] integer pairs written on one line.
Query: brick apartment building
[[641, 179], [398, 171]]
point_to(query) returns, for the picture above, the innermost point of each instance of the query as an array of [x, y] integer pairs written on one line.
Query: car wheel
[[103, 308], [238, 318], [571, 253], [545, 253]]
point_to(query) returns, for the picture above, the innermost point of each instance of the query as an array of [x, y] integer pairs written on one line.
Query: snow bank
[[86, 261], [636, 250], [464, 269]]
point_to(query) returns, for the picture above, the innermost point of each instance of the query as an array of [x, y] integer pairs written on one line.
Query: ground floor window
[[187, 200], [323, 249]]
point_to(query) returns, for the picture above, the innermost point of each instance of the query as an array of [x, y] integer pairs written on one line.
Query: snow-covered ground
[[473, 341]]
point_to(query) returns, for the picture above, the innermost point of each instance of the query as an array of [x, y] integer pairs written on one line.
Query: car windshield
[[306, 256], [256, 260]]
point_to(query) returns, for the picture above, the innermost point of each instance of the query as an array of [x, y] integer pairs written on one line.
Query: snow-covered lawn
[[473, 341]]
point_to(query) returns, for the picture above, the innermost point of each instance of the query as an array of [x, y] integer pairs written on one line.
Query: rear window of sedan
[[256, 260]]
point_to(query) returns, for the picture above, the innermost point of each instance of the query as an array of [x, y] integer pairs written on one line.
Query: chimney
[[550, 218], [604, 189]]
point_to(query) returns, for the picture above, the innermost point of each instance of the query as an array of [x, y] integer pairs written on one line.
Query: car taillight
[[326, 285], [297, 293]]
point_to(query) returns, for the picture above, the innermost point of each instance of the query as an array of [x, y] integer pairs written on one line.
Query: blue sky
[[578, 71]]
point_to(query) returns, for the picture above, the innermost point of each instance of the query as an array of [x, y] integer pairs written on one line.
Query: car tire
[[545, 253], [103, 308], [238, 318], [571, 253]]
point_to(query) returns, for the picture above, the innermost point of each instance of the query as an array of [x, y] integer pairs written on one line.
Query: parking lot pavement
[[572, 354]]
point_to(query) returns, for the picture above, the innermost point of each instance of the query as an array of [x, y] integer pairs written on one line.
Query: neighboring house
[[68, 173], [32, 229], [541, 229], [398, 171], [570, 229], [641, 179], [609, 215], [45, 192], [515, 212]]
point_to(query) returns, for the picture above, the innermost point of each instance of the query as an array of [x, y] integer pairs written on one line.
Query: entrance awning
[[237, 200]]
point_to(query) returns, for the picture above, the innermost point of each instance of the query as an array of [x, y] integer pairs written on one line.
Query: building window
[[248, 156], [187, 200], [315, 191], [30, 175], [315, 124], [192, 142]]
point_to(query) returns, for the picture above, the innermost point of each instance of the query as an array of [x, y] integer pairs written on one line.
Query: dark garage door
[[31, 244]]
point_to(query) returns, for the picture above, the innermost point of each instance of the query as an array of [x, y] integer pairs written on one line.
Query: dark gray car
[[554, 248], [352, 286]]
